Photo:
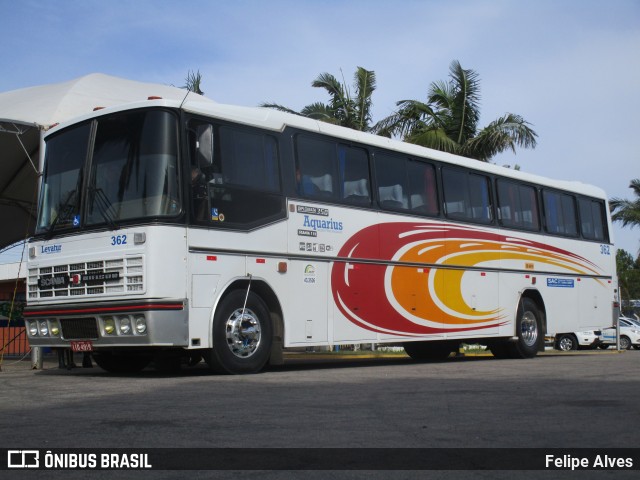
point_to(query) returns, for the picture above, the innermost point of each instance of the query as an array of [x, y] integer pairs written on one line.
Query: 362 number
[[119, 240], [604, 250]]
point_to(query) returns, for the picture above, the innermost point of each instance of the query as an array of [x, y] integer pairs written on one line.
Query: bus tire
[[528, 330], [423, 351], [121, 363], [241, 343]]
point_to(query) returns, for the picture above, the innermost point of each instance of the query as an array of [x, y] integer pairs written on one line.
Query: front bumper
[[109, 324]]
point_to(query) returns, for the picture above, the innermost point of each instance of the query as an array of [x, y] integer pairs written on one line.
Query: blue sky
[[571, 68]]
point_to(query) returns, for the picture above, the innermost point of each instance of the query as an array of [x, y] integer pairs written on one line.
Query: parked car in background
[[574, 340], [629, 335]]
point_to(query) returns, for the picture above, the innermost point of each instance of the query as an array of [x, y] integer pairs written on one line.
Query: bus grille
[[79, 328], [130, 273]]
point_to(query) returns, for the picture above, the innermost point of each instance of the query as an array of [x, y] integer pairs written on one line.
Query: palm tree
[[448, 121], [627, 211], [193, 81], [343, 108]]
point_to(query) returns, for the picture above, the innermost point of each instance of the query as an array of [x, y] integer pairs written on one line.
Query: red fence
[[13, 341]]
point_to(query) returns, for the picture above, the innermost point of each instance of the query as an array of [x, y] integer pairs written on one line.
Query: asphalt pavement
[[587, 399]]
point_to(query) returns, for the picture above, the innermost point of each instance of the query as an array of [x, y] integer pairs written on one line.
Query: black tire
[[567, 342], [604, 346], [528, 330], [625, 342], [129, 363], [241, 344], [424, 351]]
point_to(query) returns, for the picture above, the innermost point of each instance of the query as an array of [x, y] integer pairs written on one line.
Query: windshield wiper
[[104, 206]]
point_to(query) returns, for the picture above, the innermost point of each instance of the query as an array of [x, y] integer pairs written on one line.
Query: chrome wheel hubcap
[[243, 333], [529, 329]]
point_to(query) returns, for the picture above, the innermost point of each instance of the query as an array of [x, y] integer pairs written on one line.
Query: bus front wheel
[[242, 334]]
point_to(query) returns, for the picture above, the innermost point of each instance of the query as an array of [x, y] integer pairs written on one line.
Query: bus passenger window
[[354, 174], [560, 213], [315, 167], [467, 196], [423, 194], [592, 220], [391, 174], [517, 205]]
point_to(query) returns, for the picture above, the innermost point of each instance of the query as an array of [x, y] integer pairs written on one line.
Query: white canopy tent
[[27, 113]]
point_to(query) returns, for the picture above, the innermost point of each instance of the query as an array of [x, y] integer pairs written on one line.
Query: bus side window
[[423, 194], [354, 173], [517, 205], [391, 175], [560, 213], [467, 195], [315, 167], [592, 223]]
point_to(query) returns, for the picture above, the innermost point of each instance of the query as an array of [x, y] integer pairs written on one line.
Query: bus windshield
[[60, 199], [133, 172]]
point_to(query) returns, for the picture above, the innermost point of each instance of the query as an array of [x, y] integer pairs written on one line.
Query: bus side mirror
[[204, 145]]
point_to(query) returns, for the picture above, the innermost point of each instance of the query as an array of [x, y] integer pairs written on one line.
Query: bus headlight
[[125, 326], [44, 328], [141, 325], [109, 326], [54, 328], [33, 329]]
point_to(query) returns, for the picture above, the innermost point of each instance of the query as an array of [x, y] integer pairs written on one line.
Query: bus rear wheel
[[528, 330], [241, 335]]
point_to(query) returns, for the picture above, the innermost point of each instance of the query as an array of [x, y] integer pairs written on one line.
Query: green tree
[[344, 108], [627, 211], [448, 121], [628, 277]]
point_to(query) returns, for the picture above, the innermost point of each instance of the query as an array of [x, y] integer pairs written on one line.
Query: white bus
[[194, 230]]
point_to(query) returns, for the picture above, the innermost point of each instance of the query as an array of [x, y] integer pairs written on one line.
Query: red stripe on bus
[[123, 308]]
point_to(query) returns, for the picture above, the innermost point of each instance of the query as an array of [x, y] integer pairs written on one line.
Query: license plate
[[82, 346]]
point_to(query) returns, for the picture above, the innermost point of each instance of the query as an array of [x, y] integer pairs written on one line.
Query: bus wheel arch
[[261, 330]]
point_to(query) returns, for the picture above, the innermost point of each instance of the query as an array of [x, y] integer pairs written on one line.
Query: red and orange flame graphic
[[418, 290]]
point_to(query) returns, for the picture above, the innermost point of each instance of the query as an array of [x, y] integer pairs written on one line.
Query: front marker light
[[44, 328], [125, 326], [33, 329], [141, 325], [54, 328], [109, 326]]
